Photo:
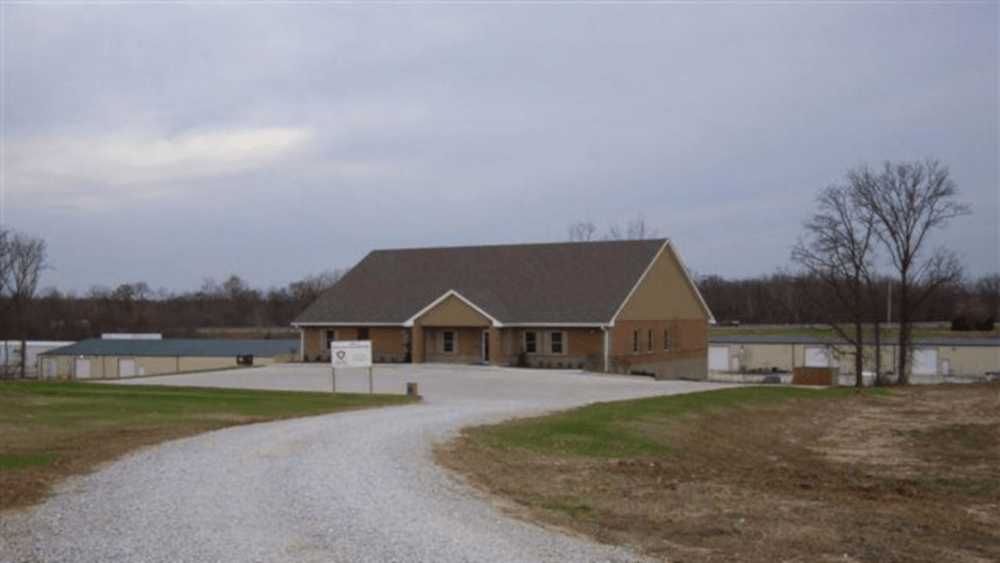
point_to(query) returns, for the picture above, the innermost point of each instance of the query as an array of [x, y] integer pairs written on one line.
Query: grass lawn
[[760, 474], [51, 430]]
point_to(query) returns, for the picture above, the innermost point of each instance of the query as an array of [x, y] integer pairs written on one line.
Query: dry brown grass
[[910, 477]]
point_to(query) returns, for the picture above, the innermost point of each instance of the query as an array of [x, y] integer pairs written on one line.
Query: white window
[[557, 343], [530, 342], [666, 339], [649, 341], [448, 342]]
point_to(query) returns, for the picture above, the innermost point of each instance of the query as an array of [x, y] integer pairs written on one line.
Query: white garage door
[[925, 361], [81, 368], [718, 358], [126, 368], [49, 368]]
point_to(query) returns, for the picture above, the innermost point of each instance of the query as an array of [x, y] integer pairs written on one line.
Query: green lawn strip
[[963, 486], [20, 461], [607, 430], [69, 407]]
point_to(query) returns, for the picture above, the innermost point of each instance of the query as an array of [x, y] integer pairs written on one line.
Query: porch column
[[417, 343], [496, 349]]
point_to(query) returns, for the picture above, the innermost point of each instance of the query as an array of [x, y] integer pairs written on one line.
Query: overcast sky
[[171, 143]]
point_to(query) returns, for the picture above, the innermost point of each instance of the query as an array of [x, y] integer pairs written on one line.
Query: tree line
[[779, 298], [136, 308], [786, 298]]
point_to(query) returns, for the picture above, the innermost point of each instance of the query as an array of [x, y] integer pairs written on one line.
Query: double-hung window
[[530, 342], [557, 343]]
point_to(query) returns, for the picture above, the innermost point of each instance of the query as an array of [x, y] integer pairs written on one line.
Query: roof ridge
[[659, 241]]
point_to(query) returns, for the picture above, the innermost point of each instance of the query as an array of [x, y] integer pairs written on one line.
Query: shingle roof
[[178, 347], [559, 283]]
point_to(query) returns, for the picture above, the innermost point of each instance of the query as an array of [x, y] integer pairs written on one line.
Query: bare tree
[[27, 260], [636, 229], [836, 252], [909, 201], [582, 231]]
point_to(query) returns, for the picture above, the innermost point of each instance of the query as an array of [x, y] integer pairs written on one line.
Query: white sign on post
[[351, 353]]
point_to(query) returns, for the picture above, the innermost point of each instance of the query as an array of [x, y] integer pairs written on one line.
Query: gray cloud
[[440, 124]]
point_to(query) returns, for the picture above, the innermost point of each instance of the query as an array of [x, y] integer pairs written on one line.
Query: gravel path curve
[[354, 487]]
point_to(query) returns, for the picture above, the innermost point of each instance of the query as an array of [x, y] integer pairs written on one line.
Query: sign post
[[351, 354]]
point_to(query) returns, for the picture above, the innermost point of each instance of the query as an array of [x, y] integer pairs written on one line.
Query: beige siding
[[155, 365], [453, 312], [388, 344], [468, 345], [210, 363], [970, 360], [665, 293], [961, 360], [64, 366], [313, 343], [106, 367]]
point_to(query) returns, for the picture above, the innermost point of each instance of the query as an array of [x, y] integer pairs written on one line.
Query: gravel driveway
[[353, 487]]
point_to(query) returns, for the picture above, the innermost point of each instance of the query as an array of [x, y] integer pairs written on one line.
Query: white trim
[[563, 342], [450, 293], [555, 325], [321, 325]]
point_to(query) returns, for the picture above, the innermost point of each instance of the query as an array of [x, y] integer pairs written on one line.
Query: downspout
[[607, 346]]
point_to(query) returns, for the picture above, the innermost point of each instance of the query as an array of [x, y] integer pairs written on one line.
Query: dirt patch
[[909, 477]]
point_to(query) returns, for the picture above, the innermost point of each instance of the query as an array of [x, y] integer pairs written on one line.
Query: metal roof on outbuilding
[[807, 339], [178, 347]]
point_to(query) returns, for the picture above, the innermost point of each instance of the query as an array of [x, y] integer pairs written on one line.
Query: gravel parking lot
[[355, 486]]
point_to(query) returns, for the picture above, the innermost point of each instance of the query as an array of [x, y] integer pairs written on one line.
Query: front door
[[486, 346]]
